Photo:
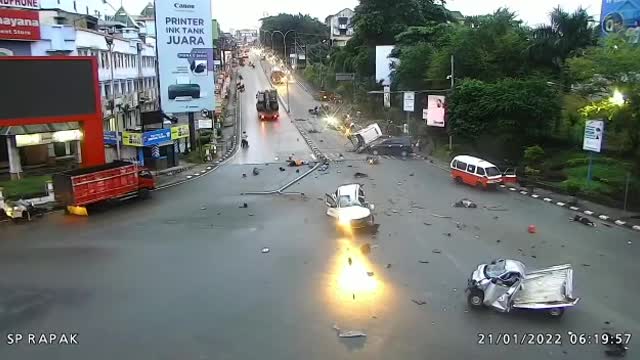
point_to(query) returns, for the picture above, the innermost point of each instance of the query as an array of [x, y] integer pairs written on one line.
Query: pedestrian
[[244, 143]]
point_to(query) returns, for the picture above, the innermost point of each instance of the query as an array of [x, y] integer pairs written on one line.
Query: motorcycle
[[315, 112]]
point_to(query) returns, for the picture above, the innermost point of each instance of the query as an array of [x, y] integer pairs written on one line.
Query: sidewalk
[[227, 146]]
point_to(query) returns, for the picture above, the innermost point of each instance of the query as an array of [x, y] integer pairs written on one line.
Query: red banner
[[19, 25]]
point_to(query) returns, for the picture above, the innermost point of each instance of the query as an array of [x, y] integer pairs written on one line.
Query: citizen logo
[[184, 6]]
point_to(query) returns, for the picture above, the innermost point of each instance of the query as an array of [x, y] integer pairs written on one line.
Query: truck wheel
[[144, 194], [475, 298], [556, 312], [458, 180]]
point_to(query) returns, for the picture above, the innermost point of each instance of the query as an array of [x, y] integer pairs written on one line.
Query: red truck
[[75, 189]]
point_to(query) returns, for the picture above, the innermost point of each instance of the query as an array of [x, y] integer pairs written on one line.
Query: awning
[[37, 129]]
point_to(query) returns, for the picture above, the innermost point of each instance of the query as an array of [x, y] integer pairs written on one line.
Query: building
[[341, 27], [246, 36], [126, 58]]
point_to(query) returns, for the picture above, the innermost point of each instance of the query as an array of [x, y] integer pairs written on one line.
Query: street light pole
[[453, 85], [111, 45]]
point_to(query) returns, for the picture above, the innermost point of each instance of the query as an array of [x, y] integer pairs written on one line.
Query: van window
[[493, 171], [471, 168], [480, 171], [454, 164], [462, 166]]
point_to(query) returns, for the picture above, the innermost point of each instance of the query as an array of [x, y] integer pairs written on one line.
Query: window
[[480, 171], [462, 166], [102, 90], [471, 168], [107, 90], [454, 164], [493, 171]]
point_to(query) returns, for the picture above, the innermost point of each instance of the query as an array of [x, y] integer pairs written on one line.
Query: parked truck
[[267, 105], [119, 180]]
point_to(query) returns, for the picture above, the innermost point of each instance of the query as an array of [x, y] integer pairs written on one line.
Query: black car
[[391, 146]]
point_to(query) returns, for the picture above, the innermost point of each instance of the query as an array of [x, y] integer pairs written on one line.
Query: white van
[[361, 139]]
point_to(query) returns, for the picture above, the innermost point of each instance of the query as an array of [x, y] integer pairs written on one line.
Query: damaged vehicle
[[349, 207], [505, 285]]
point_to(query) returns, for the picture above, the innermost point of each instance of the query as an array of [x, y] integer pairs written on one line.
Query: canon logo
[[183, 6]]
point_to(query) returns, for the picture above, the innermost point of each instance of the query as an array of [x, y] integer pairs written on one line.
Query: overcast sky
[[237, 14]]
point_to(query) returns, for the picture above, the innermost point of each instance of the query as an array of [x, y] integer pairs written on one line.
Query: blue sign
[[621, 17], [156, 137], [110, 137]]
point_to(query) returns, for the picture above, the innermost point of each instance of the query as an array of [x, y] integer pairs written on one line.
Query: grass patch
[[15, 189]]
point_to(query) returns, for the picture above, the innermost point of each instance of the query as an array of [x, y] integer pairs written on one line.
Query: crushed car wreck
[[349, 207], [505, 285]]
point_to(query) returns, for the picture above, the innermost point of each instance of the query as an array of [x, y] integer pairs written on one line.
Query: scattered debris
[[441, 216], [256, 171], [419, 302], [203, 208], [426, 223], [244, 175], [417, 207], [477, 237], [350, 261], [531, 229], [410, 212], [369, 273], [265, 250], [606, 224], [324, 167], [465, 203], [533, 246], [436, 251], [583, 220], [607, 322], [447, 234], [250, 214], [615, 350], [388, 266], [219, 213], [339, 171], [297, 171], [394, 211], [313, 131], [498, 241], [321, 140], [349, 333], [282, 169], [244, 206], [360, 175], [586, 265], [496, 208], [423, 261], [496, 217], [412, 174], [629, 242], [533, 256], [399, 183], [365, 249], [455, 290]]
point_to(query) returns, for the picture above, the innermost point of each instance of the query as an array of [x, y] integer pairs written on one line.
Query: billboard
[[19, 25], [384, 64], [435, 111], [24, 4], [593, 133], [185, 56], [622, 17]]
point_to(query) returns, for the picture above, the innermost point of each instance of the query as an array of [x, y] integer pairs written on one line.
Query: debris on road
[[417, 207], [370, 273], [606, 224], [373, 160], [244, 175], [423, 261], [388, 266], [295, 163], [496, 208], [447, 234], [583, 220], [498, 241], [412, 174], [349, 333], [629, 242], [586, 265], [203, 208], [426, 223], [282, 169], [441, 216], [394, 211], [419, 302], [360, 175], [250, 214], [531, 229], [465, 203], [256, 171], [365, 249], [350, 261], [533, 256], [244, 206], [265, 250], [436, 251], [324, 167]]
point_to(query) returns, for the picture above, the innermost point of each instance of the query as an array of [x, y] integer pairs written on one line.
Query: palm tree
[[553, 44]]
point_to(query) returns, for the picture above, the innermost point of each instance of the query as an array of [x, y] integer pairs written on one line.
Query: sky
[[239, 14]]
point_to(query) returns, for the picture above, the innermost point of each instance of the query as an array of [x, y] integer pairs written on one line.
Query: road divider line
[[587, 212], [574, 208], [561, 204]]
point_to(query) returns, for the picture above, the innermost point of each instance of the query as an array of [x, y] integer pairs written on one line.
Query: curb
[[525, 192]]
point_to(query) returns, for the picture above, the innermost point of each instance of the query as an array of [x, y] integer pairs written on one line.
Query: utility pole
[[111, 45], [453, 85]]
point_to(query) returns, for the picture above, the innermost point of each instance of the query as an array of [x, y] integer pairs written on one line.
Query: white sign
[[205, 124], [185, 55], [23, 4], [435, 110], [409, 101], [387, 96], [593, 132]]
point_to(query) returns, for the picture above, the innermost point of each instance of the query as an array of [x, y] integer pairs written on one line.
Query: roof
[[37, 129], [148, 11], [473, 161], [123, 16], [349, 189]]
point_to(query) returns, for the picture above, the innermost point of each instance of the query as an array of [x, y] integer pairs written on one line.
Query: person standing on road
[[244, 142]]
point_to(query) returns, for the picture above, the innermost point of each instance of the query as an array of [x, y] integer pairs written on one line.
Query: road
[[183, 276]]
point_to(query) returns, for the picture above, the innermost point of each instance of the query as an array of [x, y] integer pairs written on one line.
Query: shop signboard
[[179, 132], [156, 137], [111, 137], [19, 25], [185, 56], [131, 138], [23, 4]]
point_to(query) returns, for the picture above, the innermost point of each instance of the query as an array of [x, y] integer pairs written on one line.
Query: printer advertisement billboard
[[621, 17], [185, 56]]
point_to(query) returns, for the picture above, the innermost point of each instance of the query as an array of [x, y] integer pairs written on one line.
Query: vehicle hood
[[354, 212], [478, 274]]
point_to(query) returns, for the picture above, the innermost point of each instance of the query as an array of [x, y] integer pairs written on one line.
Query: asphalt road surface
[[183, 275]]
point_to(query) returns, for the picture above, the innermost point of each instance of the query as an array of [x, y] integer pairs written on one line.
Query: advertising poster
[[593, 133], [180, 132], [435, 110], [621, 17], [185, 55]]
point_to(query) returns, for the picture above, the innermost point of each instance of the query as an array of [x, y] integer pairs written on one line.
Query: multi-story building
[[341, 27], [125, 54]]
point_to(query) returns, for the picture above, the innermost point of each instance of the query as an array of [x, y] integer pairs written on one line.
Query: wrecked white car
[[349, 207], [505, 285]]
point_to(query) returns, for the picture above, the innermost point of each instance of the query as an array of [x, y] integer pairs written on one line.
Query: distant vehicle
[[76, 189], [473, 171], [349, 207], [278, 76], [391, 146], [267, 105], [505, 285]]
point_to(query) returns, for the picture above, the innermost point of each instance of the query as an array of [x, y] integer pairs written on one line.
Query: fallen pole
[[285, 186]]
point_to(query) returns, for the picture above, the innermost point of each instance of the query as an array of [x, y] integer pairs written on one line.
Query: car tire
[[475, 299], [458, 180], [556, 312], [404, 153], [480, 186]]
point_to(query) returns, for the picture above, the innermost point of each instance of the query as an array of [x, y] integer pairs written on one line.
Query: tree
[[307, 29], [553, 44]]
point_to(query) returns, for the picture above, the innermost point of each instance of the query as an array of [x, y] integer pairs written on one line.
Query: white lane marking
[[588, 212], [547, 200], [560, 203], [603, 217], [535, 196], [189, 176], [523, 192], [620, 222], [574, 208], [209, 167], [503, 186], [513, 189], [636, 227]]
